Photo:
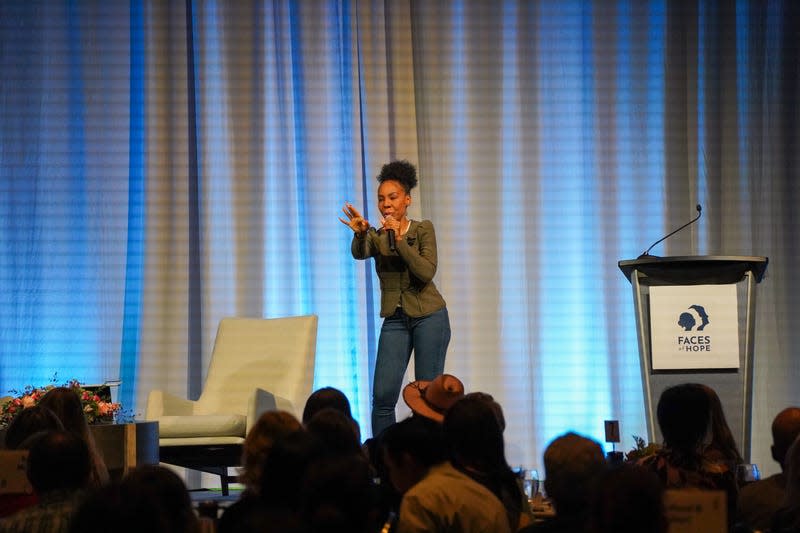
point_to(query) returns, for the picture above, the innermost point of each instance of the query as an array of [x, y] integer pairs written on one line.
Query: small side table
[[125, 446]]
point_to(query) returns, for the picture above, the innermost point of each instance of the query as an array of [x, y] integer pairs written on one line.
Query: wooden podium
[[734, 386]]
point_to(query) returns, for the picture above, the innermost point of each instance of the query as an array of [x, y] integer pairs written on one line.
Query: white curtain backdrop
[[168, 164]]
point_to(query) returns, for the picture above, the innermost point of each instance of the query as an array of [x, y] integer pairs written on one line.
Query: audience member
[[26, 423], [573, 465], [628, 499], [410, 448], [323, 398], [427, 400], [29, 421], [437, 497], [496, 407], [758, 501], [58, 469], [337, 432], [474, 442], [401, 457], [159, 492], [66, 404], [103, 506], [150, 498], [270, 426], [279, 505], [329, 398], [684, 416], [787, 517], [339, 495]]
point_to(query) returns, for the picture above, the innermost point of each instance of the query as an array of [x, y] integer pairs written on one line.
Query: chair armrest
[[259, 402], [263, 400], [160, 403]]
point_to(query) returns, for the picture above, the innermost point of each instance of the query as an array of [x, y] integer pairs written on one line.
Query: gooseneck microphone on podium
[[665, 237]]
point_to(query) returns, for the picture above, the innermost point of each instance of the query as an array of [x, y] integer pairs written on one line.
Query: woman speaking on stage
[[414, 313]]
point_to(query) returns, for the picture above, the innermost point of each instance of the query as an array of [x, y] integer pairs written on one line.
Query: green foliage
[[642, 449]]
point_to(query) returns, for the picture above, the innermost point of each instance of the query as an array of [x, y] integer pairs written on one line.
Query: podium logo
[[694, 318]]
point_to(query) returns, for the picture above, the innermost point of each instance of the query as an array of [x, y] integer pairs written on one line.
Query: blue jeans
[[428, 337]]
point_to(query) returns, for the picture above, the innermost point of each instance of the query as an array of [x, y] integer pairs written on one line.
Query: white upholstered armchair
[[257, 365]]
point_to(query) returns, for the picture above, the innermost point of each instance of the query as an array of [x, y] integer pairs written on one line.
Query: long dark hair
[[66, 404], [474, 443], [721, 437]]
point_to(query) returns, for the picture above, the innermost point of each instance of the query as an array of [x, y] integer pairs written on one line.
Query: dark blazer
[[406, 275]]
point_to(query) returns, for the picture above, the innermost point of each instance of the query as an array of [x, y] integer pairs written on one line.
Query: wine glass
[[531, 484]]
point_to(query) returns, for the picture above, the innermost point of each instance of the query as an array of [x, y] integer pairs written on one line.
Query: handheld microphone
[[392, 242], [695, 219]]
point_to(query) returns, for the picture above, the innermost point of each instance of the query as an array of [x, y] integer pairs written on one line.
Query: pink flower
[[94, 407]]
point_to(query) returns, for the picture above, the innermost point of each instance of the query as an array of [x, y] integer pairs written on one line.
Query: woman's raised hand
[[354, 219]]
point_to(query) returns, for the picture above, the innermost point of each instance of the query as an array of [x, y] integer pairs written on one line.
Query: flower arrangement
[[96, 409], [642, 449]]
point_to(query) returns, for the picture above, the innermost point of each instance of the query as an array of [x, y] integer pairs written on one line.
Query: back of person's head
[[684, 414], [417, 436], [573, 464], [285, 469], [326, 397], [785, 429], [472, 435], [269, 427], [493, 404], [66, 404], [340, 495], [100, 508], [408, 449], [628, 499], [157, 495], [148, 499], [28, 422], [337, 432], [58, 460]]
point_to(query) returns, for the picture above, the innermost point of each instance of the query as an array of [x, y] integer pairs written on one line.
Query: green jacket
[[406, 275]]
